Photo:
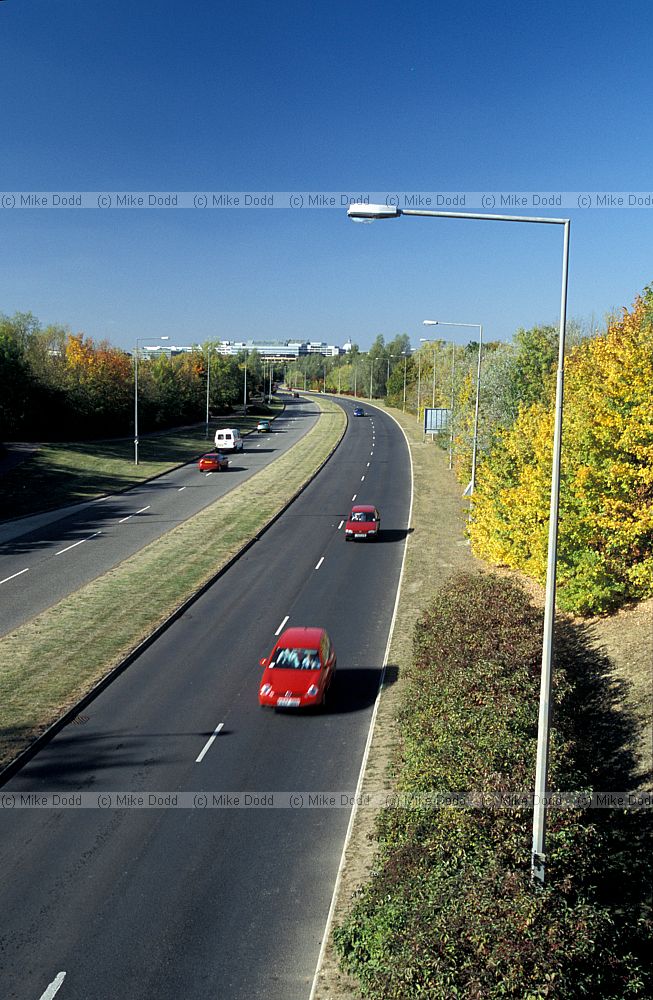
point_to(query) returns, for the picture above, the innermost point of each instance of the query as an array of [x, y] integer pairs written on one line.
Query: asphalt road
[[212, 902], [42, 562]]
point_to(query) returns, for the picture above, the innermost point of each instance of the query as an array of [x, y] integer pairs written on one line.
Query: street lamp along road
[[208, 387], [479, 327], [138, 340], [366, 213]]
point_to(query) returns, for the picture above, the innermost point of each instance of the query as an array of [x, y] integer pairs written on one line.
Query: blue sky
[[297, 97]]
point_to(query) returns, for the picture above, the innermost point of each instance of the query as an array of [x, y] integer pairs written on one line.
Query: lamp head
[[360, 212]]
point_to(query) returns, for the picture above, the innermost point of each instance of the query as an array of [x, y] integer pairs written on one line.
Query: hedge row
[[450, 911]]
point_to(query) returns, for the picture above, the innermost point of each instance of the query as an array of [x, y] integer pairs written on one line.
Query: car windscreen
[[362, 515], [296, 659]]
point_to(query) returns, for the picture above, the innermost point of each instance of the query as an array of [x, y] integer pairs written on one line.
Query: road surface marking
[[123, 519], [208, 474], [339, 527], [210, 741], [75, 544], [19, 573], [53, 987], [282, 624], [362, 478], [320, 563], [354, 497], [371, 453], [181, 488], [326, 935], [368, 465]]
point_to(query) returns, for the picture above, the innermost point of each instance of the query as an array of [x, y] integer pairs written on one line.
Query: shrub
[[451, 911]]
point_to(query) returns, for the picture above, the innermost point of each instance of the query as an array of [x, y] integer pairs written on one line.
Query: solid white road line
[[320, 563], [209, 742], [370, 734], [339, 526], [19, 573], [282, 625], [54, 986], [75, 544]]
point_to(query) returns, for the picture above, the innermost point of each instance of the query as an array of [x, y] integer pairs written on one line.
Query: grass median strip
[[47, 664]]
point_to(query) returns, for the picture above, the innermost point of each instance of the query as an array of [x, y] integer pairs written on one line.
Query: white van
[[228, 439]]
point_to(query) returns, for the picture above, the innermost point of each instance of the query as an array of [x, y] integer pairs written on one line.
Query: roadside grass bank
[[71, 472], [375, 930], [50, 662], [449, 910]]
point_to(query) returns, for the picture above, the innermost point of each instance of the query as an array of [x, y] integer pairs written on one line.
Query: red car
[[364, 522], [213, 461], [299, 670]]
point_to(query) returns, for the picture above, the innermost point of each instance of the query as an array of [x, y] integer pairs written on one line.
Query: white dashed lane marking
[[209, 742], [19, 573], [75, 544]]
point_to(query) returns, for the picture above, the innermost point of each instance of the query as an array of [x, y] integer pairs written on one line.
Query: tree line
[[58, 385]]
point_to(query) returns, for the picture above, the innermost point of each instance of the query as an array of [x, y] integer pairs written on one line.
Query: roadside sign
[[436, 419]]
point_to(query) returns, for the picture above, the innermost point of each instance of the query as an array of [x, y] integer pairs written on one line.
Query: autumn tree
[[606, 505]]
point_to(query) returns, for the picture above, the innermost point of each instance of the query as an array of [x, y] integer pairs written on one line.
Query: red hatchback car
[[213, 461], [299, 670], [363, 522]]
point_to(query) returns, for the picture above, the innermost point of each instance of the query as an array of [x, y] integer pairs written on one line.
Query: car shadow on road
[[393, 535], [355, 689]]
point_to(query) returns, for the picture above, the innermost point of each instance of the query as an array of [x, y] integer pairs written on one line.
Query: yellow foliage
[[606, 503]]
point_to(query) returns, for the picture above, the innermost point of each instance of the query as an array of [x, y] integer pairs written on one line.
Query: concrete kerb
[[26, 755]]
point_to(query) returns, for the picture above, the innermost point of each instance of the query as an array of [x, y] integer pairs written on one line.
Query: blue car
[[359, 412]]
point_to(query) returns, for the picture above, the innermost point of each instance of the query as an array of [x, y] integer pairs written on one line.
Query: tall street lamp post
[[138, 340], [479, 327], [368, 212], [419, 382], [405, 354], [425, 340], [372, 360], [387, 378], [453, 396], [208, 387]]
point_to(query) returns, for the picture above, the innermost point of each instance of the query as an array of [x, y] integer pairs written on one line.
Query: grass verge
[[65, 473], [47, 664]]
